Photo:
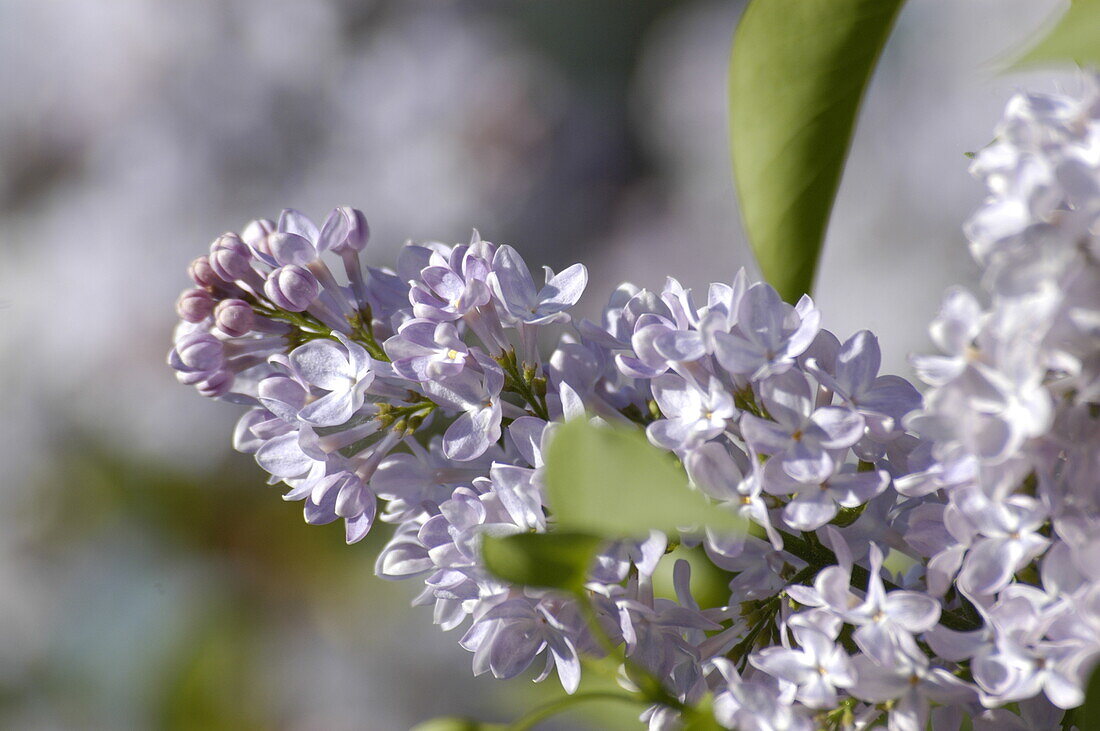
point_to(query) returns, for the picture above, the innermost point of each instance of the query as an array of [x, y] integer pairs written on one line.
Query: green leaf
[[552, 560], [610, 481], [1088, 715], [1074, 38], [798, 71]]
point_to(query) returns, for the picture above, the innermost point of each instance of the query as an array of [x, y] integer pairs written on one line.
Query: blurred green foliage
[[259, 565]]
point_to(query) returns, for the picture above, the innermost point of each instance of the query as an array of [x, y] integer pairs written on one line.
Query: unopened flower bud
[[292, 288], [217, 384], [195, 305], [256, 231], [345, 230], [203, 274], [230, 257], [200, 351], [234, 317]]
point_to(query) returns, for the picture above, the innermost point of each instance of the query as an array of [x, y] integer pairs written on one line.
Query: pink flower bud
[[230, 257], [346, 230], [234, 317], [203, 274], [257, 231], [292, 288], [200, 351], [216, 384], [195, 305]]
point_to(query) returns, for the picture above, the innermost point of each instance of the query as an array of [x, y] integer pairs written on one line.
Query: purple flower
[[911, 683], [886, 621], [345, 228], [195, 305], [1015, 661], [726, 474], [953, 331], [283, 395], [203, 274], [692, 416], [515, 291], [508, 638], [452, 536], [802, 438], [816, 669], [424, 350], [620, 315], [720, 314], [290, 248], [519, 493], [755, 705], [1010, 539], [646, 362], [769, 335], [882, 400], [197, 352], [450, 287], [815, 503], [477, 396], [234, 317], [230, 258], [343, 495], [344, 370]]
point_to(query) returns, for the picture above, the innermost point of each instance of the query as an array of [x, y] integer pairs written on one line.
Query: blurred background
[[148, 578]]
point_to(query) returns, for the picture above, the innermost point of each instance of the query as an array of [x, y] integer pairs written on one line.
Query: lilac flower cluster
[[1011, 425], [419, 396]]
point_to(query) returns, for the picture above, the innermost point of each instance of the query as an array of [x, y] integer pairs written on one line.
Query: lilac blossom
[[801, 437], [883, 401], [770, 334], [813, 504], [817, 669], [1009, 539], [477, 397], [423, 350], [911, 683], [886, 622], [521, 302], [345, 373], [397, 393], [507, 638], [694, 415]]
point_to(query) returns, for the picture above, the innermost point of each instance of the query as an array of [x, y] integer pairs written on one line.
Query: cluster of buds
[[264, 292]]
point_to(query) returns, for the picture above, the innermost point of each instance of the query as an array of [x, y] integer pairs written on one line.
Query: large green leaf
[[798, 71], [609, 481], [553, 560], [1075, 37]]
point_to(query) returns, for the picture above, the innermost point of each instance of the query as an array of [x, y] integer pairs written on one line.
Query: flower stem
[[522, 384]]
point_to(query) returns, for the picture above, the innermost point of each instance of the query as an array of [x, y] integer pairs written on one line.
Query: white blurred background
[[147, 577]]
